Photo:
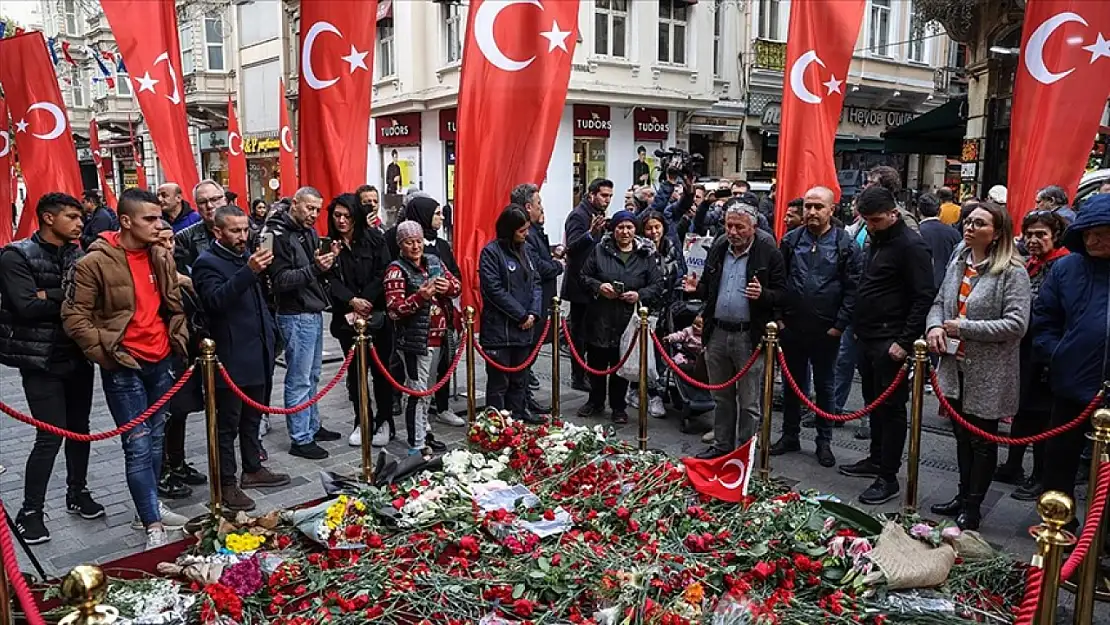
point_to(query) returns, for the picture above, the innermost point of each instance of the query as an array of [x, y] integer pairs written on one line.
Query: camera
[[676, 162]]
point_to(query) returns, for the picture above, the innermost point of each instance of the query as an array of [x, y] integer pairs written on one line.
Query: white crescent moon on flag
[[306, 55], [59, 119], [165, 57], [6, 139], [231, 137], [1033, 55], [286, 139], [487, 43], [740, 480], [797, 77]]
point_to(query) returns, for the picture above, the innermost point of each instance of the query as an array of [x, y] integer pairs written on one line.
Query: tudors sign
[[650, 124], [875, 119], [591, 121], [397, 130]]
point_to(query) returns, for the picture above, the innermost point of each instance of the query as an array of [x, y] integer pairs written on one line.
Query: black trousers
[[1065, 449], [578, 315], [380, 387], [889, 420], [1029, 423], [175, 440], [235, 419], [507, 391], [975, 456], [63, 401], [603, 358]]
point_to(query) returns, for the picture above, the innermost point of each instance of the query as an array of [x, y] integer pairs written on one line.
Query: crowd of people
[[1016, 324]]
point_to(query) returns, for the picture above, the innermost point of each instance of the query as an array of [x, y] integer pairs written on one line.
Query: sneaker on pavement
[[170, 487], [156, 537], [785, 445], [863, 468], [263, 478], [632, 398], [533, 381], [185, 473], [310, 451], [31, 526], [449, 418], [589, 411], [323, 435], [235, 499], [381, 436], [825, 455], [656, 408], [355, 439], [81, 502], [881, 491], [170, 519], [709, 437]]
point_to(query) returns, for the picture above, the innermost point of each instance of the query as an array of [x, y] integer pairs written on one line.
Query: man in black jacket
[[581, 232], [98, 218], [743, 285], [941, 238], [894, 295], [297, 276], [549, 269], [57, 379]]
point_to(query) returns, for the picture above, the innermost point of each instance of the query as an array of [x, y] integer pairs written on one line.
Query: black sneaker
[[310, 451], [323, 434], [863, 468], [81, 502], [185, 473], [589, 411], [881, 491], [29, 524], [431, 443], [825, 455], [785, 445], [169, 487]]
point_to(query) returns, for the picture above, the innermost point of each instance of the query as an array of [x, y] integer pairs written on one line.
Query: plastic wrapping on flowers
[[565, 524]]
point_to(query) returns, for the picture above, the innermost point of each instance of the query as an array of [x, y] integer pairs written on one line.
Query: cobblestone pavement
[[75, 541]]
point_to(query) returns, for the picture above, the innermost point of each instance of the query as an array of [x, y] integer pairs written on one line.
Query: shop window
[[589, 164], [453, 31], [879, 33], [610, 28], [672, 31], [385, 60], [185, 36], [769, 20], [214, 43]]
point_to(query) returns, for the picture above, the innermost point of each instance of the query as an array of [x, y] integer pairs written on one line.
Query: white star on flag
[[355, 59], [556, 38], [1100, 48], [833, 85], [21, 126], [146, 83]]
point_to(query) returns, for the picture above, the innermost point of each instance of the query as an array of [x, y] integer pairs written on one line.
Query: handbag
[[630, 370]]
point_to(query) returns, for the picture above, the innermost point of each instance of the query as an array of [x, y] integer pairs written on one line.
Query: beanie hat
[[409, 230], [621, 216]]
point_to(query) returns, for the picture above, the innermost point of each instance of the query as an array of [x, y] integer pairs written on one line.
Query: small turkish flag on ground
[[725, 478]]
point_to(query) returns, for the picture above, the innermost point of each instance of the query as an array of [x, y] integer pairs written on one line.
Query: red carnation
[[469, 544], [623, 513], [763, 570], [374, 541], [549, 515], [523, 607]]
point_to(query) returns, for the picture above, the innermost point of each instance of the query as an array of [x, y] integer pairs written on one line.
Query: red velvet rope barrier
[[862, 412], [295, 409], [401, 388], [685, 377], [1025, 613], [527, 362], [598, 372], [1005, 440], [1095, 508], [31, 612], [99, 436]]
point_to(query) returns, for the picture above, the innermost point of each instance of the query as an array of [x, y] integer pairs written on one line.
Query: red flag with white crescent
[[725, 478], [106, 192], [287, 159], [516, 66], [236, 159], [7, 177], [42, 134], [819, 47], [146, 32], [337, 62], [1062, 84]]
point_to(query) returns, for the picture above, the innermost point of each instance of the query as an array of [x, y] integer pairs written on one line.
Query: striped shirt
[[970, 273]]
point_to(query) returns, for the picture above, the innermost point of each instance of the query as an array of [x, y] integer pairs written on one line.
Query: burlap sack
[[908, 562], [971, 546]]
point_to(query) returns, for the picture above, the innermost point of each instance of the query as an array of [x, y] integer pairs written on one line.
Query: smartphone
[[618, 287], [721, 194], [952, 347], [266, 241], [435, 272], [325, 245]]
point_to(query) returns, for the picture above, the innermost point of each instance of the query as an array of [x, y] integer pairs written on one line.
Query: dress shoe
[[825, 455], [785, 445], [863, 433], [323, 434], [969, 519], [949, 508], [431, 443], [711, 453], [863, 468], [263, 478], [881, 491]]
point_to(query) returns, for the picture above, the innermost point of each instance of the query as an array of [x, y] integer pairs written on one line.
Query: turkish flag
[[516, 66], [337, 62], [1063, 81], [7, 177], [819, 48], [42, 134], [146, 32], [236, 160], [109, 196], [725, 478], [287, 160], [140, 169]]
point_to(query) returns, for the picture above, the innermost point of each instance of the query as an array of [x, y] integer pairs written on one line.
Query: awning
[[385, 10], [940, 131], [843, 143]]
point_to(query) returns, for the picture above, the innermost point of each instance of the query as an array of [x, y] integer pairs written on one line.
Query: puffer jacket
[[609, 317], [511, 290], [672, 267]]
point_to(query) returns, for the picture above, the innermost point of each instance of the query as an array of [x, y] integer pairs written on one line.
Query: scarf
[[1035, 264]]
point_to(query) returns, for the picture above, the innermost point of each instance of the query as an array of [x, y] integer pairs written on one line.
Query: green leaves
[[854, 518]]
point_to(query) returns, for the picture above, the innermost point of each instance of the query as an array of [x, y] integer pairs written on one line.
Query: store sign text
[[863, 117], [254, 145]]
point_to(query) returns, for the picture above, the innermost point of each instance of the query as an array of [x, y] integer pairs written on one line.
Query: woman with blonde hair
[[976, 324]]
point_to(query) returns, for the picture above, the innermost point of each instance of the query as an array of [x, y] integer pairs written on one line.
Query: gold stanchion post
[[84, 589], [5, 600], [208, 366], [471, 400], [362, 341], [917, 410], [770, 346], [556, 327], [1056, 510], [1089, 570], [643, 378]]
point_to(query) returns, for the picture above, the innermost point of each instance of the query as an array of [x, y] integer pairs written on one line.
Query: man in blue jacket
[[226, 281], [1071, 326], [548, 268], [582, 231]]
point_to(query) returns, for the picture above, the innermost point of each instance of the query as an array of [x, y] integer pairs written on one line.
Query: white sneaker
[[381, 436], [655, 407], [157, 537], [170, 519], [449, 418], [632, 398], [355, 440], [709, 437]]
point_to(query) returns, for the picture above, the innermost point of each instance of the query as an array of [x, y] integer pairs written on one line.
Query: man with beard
[[582, 231]]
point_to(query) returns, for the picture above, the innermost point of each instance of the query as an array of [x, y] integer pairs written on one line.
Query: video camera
[[676, 162]]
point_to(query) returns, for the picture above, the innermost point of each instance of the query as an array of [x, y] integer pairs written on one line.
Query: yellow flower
[[240, 543]]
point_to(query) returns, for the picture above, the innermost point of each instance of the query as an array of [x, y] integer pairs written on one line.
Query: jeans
[[235, 419], [64, 401], [805, 353], [603, 358], [304, 349], [578, 316], [845, 370], [737, 412], [129, 392], [889, 420], [507, 391], [418, 371]]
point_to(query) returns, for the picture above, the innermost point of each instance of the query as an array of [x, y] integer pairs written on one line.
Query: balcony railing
[[770, 54]]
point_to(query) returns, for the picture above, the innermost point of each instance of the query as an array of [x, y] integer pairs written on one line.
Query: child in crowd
[[689, 343]]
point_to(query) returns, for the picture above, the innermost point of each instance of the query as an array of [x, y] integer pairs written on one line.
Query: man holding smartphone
[[582, 231], [296, 277]]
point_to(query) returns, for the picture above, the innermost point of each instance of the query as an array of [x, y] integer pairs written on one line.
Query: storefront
[[213, 156], [398, 139], [448, 132], [263, 166], [592, 127]]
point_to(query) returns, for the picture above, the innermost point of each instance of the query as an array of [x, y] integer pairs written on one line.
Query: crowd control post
[[208, 364], [1056, 510], [770, 347], [471, 399], [1089, 569], [643, 378], [556, 312], [917, 410], [362, 341], [84, 589]]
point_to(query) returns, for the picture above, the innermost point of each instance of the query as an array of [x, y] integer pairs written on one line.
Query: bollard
[[362, 341], [1056, 510], [5, 600], [643, 377], [1089, 570], [556, 327], [84, 589], [471, 400], [208, 366], [770, 346], [917, 411]]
